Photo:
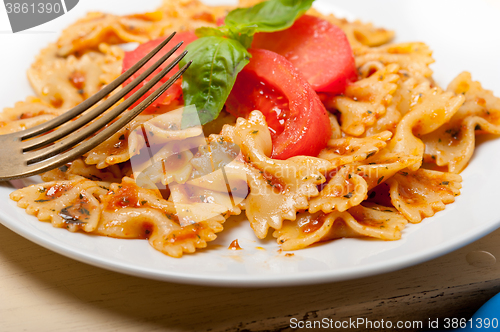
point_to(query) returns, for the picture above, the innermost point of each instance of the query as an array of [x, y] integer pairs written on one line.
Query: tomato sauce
[[278, 186], [191, 232], [148, 229], [342, 148], [57, 190], [235, 245], [56, 100], [29, 115], [312, 224], [126, 196], [77, 79]]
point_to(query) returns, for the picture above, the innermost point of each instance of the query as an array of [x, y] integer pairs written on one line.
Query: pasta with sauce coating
[[371, 180]]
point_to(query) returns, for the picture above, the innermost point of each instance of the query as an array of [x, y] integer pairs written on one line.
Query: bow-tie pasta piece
[[278, 188], [274, 198], [344, 190], [175, 168], [166, 150], [365, 101], [361, 221], [193, 203], [402, 100], [161, 130], [453, 143], [68, 204], [113, 173], [305, 230], [219, 167], [116, 149], [96, 28], [376, 171], [431, 108], [218, 182], [412, 58], [422, 193], [26, 114], [347, 150], [376, 221], [129, 211], [361, 35], [65, 82]]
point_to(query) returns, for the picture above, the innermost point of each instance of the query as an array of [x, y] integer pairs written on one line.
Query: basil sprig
[[241, 32], [208, 82], [269, 16], [221, 53]]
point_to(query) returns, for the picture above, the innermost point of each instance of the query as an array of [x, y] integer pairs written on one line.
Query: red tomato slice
[[318, 49], [131, 58], [295, 115]]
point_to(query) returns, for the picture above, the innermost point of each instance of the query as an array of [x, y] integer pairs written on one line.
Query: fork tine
[[106, 133], [66, 116], [71, 126], [67, 143]]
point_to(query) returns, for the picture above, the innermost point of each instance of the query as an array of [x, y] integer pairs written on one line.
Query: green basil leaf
[[241, 32], [208, 32], [208, 82], [269, 16]]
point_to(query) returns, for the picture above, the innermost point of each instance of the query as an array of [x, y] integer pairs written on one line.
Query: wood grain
[[43, 291]]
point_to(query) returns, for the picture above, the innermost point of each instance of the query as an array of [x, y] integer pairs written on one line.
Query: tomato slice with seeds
[[132, 57], [318, 49], [297, 119]]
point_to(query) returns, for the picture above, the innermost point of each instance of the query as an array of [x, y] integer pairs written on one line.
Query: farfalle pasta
[[396, 145]]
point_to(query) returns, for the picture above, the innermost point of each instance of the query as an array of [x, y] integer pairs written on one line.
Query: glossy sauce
[[57, 190], [56, 100], [77, 79], [29, 115], [148, 229], [125, 196], [311, 224], [342, 148], [278, 186], [186, 233], [234, 245]]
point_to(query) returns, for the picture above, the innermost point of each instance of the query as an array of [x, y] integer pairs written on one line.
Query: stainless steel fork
[[39, 149]]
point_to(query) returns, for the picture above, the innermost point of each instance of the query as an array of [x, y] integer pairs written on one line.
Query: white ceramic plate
[[463, 35]]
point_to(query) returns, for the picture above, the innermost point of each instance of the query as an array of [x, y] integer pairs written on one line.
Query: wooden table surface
[[44, 291]]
